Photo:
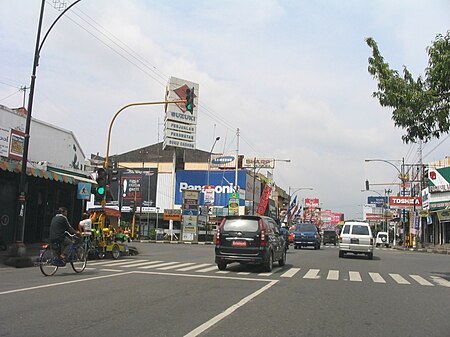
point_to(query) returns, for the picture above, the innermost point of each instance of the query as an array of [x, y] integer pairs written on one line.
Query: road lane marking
[[142, 263], [158, 265], [111, 270], [333, 275], [421, 280], [243, 273], [222, 272], [441, 281], [377, 278], [202, 328], [354, 276], [197, 266], [312, 274], [399, 279], [291, 272], [63, 283], [176, 266], [110, 263]]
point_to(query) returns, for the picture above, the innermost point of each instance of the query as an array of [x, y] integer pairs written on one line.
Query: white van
[[356, 238]]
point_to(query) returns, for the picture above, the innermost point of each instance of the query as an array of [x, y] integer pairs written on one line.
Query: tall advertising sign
[[180, 124], [190, 211], [261, 210]]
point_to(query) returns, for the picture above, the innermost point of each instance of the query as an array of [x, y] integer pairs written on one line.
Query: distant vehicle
[[306, 234], [329, 237], [382, 239], [249, 239], [356, 238]]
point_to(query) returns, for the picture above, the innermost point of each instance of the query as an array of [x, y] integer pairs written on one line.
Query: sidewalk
[[29, 258], [440, 249]]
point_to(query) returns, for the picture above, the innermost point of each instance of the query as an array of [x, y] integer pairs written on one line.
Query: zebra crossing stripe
[[421, 280], [197, 266], [333, 275], [265, 274], [441, 281], [158, 265], [142, 263], [243, 273], [312, 274], [377, 278], [205, 270], [399, 279], [291, 272], [176, 266], [354, 276]]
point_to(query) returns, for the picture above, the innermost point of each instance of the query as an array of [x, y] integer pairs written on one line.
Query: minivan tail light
[[340, 238], [263, 233], [218, 232]]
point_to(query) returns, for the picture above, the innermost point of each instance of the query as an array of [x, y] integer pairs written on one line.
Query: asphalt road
[[176, 290]]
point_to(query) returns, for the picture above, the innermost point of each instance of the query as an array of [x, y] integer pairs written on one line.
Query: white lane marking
[[222, 272], [312, 274], [194, 267], [333, 275], [137, 264], [377, 278], [243, 273], [354, 276], [109, 263], [399, 279], [63, 283], [176, 266], [158, 265], [291, 272], [111, 270], [421, 280], [441, 281], [206, 269], [202, 328]]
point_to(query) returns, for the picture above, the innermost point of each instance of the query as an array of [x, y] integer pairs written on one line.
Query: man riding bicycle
[[58, 226]]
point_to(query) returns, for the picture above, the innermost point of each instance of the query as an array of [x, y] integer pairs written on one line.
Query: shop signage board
[[261, 210], [189, 228], [233, 204], [189, 225], [259, 163], [405, 202], [179, 123], [313, 203], [172, 214]]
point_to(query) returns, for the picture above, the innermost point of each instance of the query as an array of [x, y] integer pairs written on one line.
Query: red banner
[[264, 200], [312, 203]]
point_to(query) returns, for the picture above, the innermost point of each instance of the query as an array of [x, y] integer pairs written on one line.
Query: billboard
[[223, 182], [314, 203]]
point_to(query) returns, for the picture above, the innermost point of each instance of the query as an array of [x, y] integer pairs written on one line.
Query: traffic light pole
[[112, 122]]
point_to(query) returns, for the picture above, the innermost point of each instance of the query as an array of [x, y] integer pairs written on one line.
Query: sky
[[290, 75]]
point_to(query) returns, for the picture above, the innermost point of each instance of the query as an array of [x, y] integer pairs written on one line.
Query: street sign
[[84, 191]]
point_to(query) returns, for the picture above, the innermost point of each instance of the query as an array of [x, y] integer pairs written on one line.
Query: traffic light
[[113, 173], [101, 184], [190, 99], [367, 185]]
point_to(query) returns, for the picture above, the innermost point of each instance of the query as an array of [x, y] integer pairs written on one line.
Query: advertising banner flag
[[264, 200]]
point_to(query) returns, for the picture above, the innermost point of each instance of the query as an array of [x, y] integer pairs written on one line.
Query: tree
[[421, 106]]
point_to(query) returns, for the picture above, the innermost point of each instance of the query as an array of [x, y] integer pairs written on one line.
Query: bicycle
[[49, 259]]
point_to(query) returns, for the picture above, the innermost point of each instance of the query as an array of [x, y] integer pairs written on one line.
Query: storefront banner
[[404, 201]]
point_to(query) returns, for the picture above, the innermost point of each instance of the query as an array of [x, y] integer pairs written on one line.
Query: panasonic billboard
[[223, 182]]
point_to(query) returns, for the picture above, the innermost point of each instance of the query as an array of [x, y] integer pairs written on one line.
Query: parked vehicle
[[329, 237], [382, 239], [249, 239], [356, 238], [306, 234]]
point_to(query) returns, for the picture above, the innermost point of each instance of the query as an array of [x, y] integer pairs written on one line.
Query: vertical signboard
[[189, 224], [233, 204], [261, 210], [180, 123]]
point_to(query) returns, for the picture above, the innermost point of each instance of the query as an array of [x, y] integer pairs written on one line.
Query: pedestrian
[[85, 227], [58, 226]]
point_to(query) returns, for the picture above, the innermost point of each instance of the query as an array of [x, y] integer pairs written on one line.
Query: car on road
[[329, 237], [306, 234], [251, 239], [356, 237], [382, 239]]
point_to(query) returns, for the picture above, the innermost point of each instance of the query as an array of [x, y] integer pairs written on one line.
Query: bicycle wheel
[[79, 259], [47, 260]]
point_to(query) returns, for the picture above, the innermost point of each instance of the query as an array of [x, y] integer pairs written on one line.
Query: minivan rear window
[[309, 227], [241, 225], [360, 230]]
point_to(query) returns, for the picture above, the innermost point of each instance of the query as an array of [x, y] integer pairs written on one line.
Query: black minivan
[[249, 239]]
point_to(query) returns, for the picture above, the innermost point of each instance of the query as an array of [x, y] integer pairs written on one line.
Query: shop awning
[[49, 175]]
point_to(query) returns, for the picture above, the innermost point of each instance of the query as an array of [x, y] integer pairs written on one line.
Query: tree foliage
[[421, 106]]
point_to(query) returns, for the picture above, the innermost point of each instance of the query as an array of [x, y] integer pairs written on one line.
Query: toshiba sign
[[400, 201]]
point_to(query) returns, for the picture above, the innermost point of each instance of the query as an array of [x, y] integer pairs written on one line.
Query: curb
[[425, 250]]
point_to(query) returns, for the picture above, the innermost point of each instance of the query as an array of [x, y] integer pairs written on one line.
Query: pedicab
[[107, 237]]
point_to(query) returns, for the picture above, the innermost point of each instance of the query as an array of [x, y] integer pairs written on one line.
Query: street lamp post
[[401, 177], [20, 223]]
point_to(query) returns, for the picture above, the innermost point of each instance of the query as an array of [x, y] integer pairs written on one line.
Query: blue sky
[[291, 75]]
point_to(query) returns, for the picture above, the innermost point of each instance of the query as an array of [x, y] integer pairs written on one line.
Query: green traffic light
[[101, 190]]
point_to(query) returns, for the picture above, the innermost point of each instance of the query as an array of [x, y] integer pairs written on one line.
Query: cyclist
[[58, 226]]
